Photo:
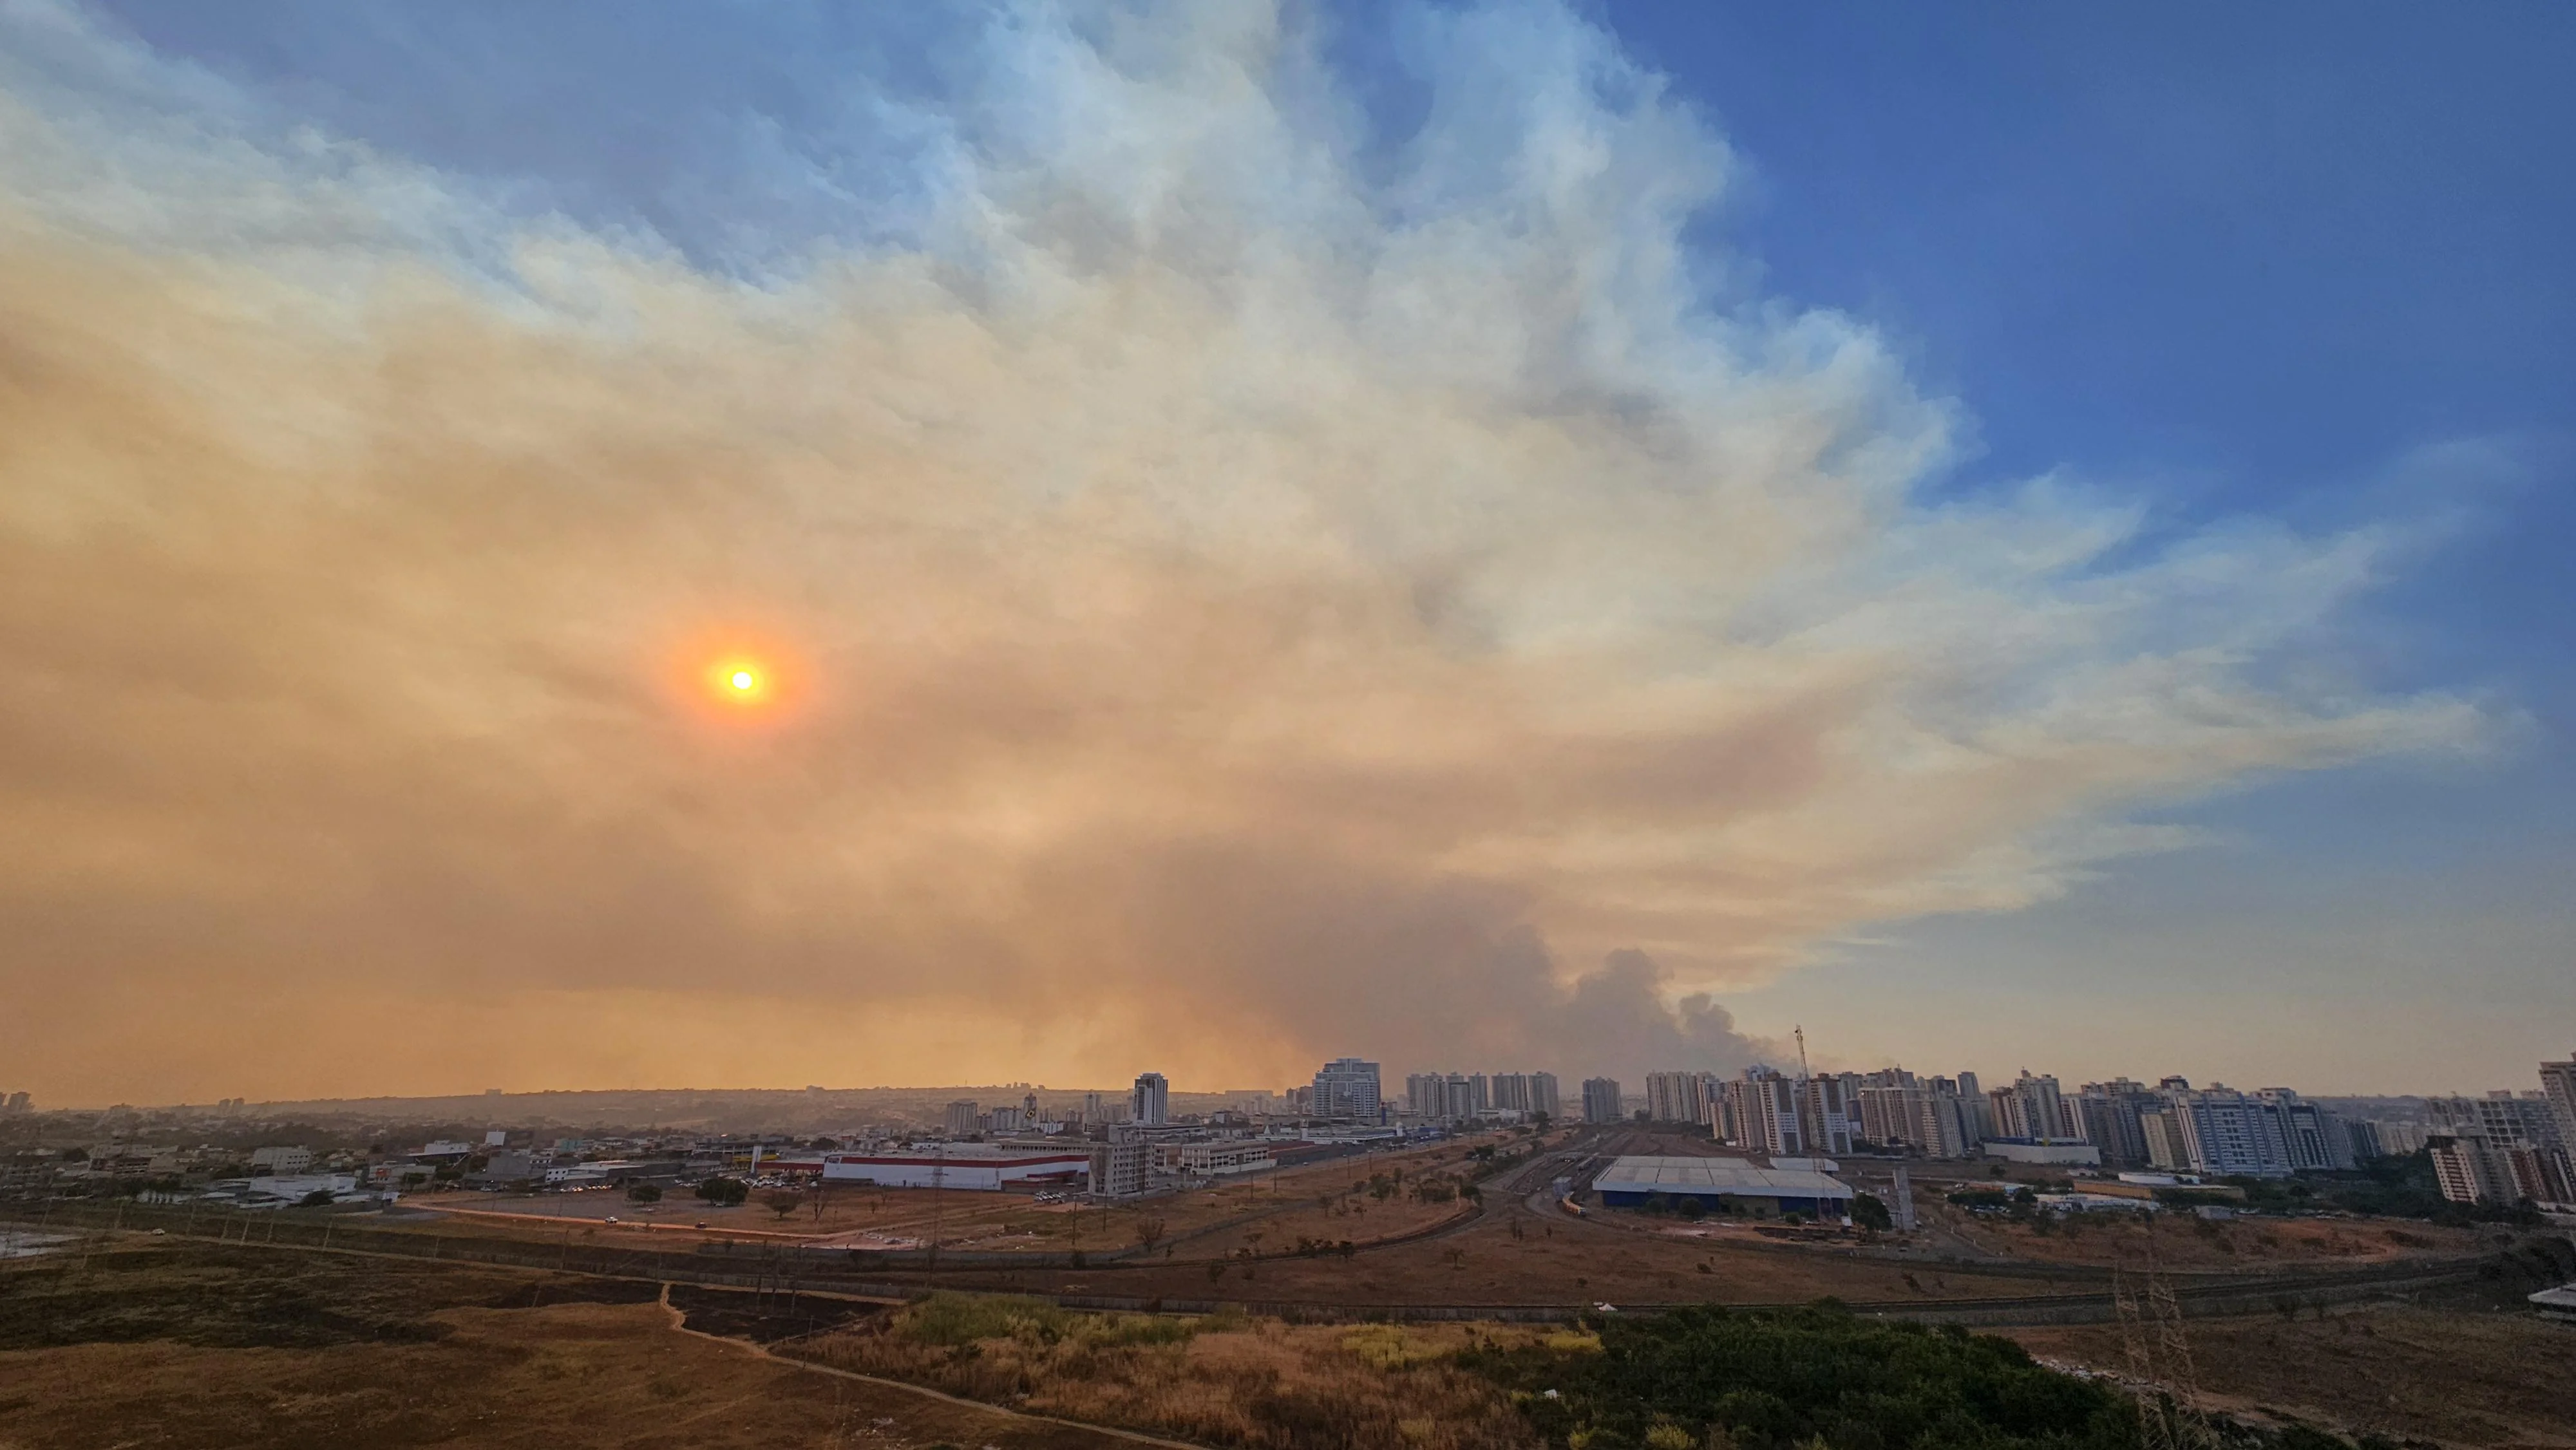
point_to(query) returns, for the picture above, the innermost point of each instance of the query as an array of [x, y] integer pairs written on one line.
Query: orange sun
[[739, 681]]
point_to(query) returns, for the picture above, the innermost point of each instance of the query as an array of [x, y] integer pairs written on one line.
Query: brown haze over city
[[1210, 606]]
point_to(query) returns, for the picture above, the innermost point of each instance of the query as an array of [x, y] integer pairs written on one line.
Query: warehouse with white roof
[[1733, 1185]]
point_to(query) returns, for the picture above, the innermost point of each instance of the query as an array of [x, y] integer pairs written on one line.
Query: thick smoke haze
[[1237, 588]]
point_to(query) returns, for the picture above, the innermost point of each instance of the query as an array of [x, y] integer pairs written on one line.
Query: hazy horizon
[[576, 546]]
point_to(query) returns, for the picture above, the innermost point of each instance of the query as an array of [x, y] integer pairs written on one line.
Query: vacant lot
[[191, 1346], [2185, 1242], [1512, 1255], [1222, 1380], [2474, 1375]]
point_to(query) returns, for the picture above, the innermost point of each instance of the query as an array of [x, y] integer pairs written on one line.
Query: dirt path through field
[[679, 1322]]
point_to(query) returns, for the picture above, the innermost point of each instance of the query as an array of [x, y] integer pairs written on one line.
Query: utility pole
[[938, 1176]]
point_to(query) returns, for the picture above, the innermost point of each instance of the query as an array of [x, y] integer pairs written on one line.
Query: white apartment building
[[2225, 1132]]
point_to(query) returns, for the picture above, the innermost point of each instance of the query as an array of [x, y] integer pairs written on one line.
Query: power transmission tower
[[2155, 1431], [2170, 1416]]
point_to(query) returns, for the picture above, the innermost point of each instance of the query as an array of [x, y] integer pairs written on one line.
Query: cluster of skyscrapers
[[2508, 1147], [1467, 1096], [2503, 1147]]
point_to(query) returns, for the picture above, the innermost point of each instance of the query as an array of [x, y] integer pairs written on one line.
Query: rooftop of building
[[1716, 1175]]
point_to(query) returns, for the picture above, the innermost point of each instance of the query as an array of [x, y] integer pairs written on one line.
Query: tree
[[643, 1193], [724, 1192], [1149, 1232], [1870, 1213], [783, 1201], [318, 1198]]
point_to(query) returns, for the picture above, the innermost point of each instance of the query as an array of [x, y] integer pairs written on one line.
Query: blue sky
[[2274, 301], [2240, 260]]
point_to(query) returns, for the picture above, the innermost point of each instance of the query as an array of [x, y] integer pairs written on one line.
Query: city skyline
[[582, 548]]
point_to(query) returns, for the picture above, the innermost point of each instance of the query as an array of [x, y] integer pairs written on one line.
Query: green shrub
[[1779, 1379]]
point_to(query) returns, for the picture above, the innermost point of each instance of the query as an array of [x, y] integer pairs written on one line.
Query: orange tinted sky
[[1203, 620]]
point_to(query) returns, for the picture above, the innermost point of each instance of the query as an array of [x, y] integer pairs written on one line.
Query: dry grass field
[[164, 1341], [2484, 1376], [1511, 1255], [191, 1346], [2186, 1243], [1220, 1380]]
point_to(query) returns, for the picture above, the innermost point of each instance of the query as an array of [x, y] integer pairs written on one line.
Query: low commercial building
[[1727, 1184], [2095, 1198], [1221, 1159], [283, 1161], [281, 1190], [2058, 1152], [979, 1167], [1119, 1167]]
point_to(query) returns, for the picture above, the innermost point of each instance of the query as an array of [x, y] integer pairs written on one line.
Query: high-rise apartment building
[[2034, 1108], [2111, 1113], [2501, 1116], [1982, 1127], [1150, 1101], [1346, 1087], [2557, 1088], [1601, 1100], [1677, 1097], [1925, 1116], [1460, 1095], [1763, 1108], [2315, 1137], [2507, 1147], [2160, 1130], [961, 1117], [1466, 1094], [2398, 1139], [1824, 1117], [1426, 1094], [2227, 1132], [2468, 1169]]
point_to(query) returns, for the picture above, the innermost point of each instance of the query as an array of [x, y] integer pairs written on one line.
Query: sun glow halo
[[738, 680]]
